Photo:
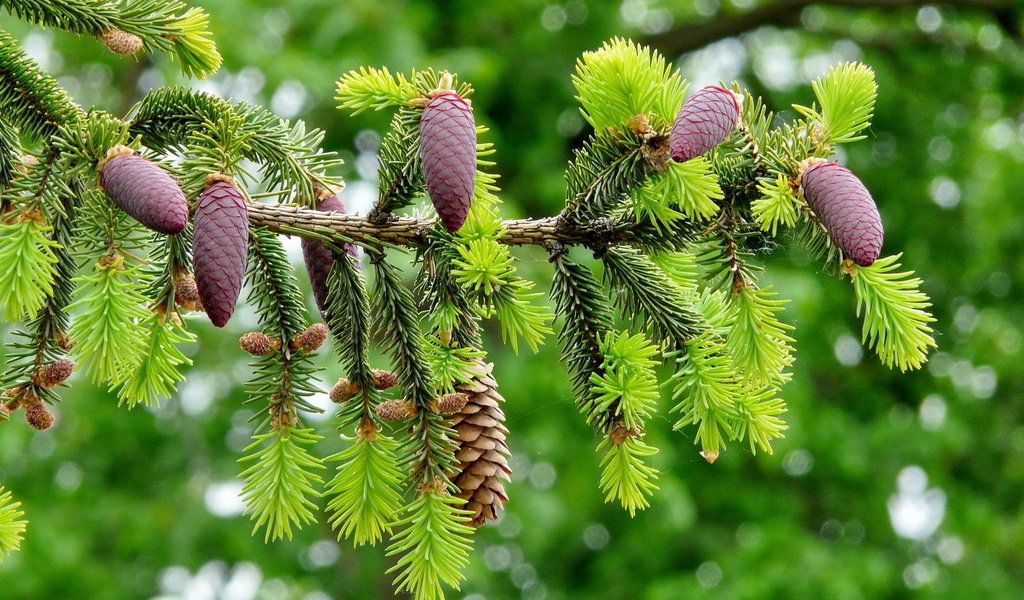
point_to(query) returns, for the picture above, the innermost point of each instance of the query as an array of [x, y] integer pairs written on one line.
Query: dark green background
[[116, 499]]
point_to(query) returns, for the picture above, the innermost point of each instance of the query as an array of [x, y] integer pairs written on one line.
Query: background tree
[[958, 148]]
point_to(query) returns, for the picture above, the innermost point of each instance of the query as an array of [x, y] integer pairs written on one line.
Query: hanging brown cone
[[121, 43], [186, 294], [343, 391], [258, 343], [450, 404], [319, 258], [310, 339], [384, 380], [448, 151], [53, 374], [36, 412], [144, 190], [396, 410], [221, 241], [483, 454]]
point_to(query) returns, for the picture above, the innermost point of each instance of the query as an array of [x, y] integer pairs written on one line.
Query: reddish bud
[[450, 404], [343, 391], [121, 43], [396, 410], [448, 150], [145, 191], [310, 339], [221, 240], [258, 343], [186, 294], [53, 374], [704, 120], [383, 380], [846, 209]]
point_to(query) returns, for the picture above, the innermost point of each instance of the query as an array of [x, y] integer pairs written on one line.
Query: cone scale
[[145, 191], [703, 122]]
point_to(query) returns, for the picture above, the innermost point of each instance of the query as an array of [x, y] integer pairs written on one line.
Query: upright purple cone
[[448, 150], [221, 240], [846, 209], [320, 259], [146, 192], [704, 120]]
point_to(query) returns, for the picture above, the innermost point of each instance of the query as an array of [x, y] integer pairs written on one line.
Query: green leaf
[[777, 206], [279, 483], [434, 539], [12, 526], [895, 313], [623, 79], [376, 89], [159, 372], [365, 491], [27, 270], [110, 338], [846, 95], [626, 476]]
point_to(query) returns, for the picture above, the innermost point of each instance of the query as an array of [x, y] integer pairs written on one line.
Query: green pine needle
[[846, 95], [693, 186], [12, 526], [193, 44], [758, 419], [680, 267], [279, 483], [365, 491], [27, 270], [109, 334], [777, 206], [625, 475], [626, 386], [520, 316], [434, 539], [759, 342], [895, 313], [451, 364], [484, 266], [376, 89], [159, 372], [705, 381], [623, 79]]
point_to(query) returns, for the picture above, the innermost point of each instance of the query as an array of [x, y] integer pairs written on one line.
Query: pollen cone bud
[[450, 404], [384, 380], [53, 374], [221, 239], [319, 258], [704, 120], [310, 339], [448, 150], [258, 343], [846, 209], [144, 190], [483, 453], [121, 43], [36, 412], [343, 391], [186, 294], [396, 410]]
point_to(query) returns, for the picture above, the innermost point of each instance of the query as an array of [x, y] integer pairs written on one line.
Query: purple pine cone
[[146, 192], [221, 233], [448, 149], [846, 209], [320, 259], [704, 120]]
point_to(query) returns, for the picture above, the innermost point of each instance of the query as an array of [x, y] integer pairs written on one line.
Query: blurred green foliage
[[885, 486]]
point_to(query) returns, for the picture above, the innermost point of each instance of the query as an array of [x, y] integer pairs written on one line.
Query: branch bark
[[786, 13], [408, 231]]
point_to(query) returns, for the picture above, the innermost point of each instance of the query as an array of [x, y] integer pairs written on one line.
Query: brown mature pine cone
[[483, 454]]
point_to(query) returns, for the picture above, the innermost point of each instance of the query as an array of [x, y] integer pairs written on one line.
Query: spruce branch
[[365, 496], [626, 476], [32, 100], [12, 526]]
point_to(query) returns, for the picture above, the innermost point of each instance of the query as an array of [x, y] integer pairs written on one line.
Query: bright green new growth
[[365, 492], [279, 482], [777, 207], [758, 341], [624, 79], [375, 89], [159, 372], [109, 332], [12, 526], [895, 310], [846, 95], [434, 541], [26, 267], [628, 386], [626, 476]]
